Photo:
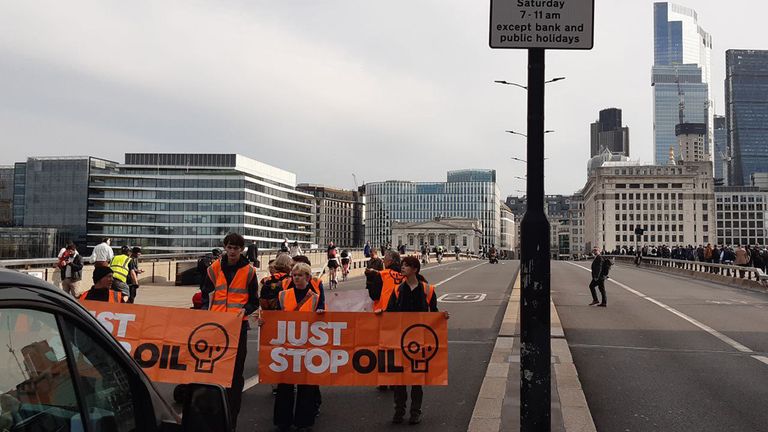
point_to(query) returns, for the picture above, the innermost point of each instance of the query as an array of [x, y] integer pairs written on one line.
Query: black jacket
[[411, 300], [76, 268], [597, 267], [229, 273]]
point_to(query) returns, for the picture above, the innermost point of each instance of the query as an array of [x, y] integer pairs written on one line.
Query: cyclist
[[333, 264], [457, 251], [439, 254], [424, 253], [344, 264]]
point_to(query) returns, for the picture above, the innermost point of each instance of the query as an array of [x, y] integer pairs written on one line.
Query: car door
[[58, 373]]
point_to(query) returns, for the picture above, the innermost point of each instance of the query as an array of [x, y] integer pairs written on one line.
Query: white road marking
[[459, 274], [251, 382], [461, 298], [735, 345], [761, 358]]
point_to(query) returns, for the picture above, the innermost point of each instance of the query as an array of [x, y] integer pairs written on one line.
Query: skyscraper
[[681, 76], [746, 113], [608, 133], [721, 150]]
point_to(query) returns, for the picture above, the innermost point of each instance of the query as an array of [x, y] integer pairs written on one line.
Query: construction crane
[[681, 94]]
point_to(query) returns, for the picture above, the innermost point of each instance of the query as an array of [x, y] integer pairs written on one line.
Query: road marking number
[[461, 298]]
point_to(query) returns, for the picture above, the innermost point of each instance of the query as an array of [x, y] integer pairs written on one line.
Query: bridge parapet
[[747, 277]]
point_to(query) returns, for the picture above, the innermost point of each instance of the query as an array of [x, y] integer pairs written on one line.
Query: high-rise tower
[[681, 76]]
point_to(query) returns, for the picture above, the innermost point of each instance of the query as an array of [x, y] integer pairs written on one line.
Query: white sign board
[[548, 24]]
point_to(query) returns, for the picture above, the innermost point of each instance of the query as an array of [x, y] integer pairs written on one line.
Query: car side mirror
[[205, 409]]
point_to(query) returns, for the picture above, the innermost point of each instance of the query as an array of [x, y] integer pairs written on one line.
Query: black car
[[60, 370]]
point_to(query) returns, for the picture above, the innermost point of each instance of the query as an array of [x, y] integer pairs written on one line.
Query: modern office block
[[680, 42], [746, 113], [608, 133], [189, 202]]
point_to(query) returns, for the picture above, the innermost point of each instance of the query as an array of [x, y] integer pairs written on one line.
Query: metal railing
[[725, 270]]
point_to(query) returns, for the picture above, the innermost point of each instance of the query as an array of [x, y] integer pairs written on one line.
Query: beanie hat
[[100, 272]]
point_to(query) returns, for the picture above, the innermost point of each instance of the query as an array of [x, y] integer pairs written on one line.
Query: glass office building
[[468, 194], [189, 202], [6, 195], [679, 40], [52, 192], [721, 150], [746, 112], [668, 82]]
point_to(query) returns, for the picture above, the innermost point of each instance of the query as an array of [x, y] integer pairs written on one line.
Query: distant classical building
[[337, 216], [742, 215], [608, 133], [605, 156], [675, 204], [449, 233], [6, 195], [467, 194]]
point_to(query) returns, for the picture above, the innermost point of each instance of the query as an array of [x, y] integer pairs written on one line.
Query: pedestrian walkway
[[498, 405]]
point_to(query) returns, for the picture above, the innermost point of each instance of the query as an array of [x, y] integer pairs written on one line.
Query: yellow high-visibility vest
[[119, 266]]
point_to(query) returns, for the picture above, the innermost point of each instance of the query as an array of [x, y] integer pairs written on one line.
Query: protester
[[232, 287], [598, 278], [102, 253], [413, 294], [384, 282], [298, 405], [121, 271], [72, 272], [102, 288], [279, 270]]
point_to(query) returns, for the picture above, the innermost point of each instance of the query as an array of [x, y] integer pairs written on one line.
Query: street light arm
[[511, 83]]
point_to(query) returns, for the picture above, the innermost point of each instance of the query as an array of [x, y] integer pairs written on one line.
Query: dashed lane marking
[[459, 274], [734, 344]]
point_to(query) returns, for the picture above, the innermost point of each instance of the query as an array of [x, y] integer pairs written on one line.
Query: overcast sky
[[398, 89]]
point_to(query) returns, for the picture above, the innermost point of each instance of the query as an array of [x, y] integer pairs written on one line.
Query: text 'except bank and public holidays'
[[548, 24]]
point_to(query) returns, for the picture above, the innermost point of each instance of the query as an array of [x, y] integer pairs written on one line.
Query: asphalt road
[[674, 355], [473, 328]]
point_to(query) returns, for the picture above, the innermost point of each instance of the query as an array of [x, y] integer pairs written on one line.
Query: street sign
[[547, 24]]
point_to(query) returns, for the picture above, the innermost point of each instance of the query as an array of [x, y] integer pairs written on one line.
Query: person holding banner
[[102, 288], [231, 286], [414, 294], [299, 408], [383, 283]]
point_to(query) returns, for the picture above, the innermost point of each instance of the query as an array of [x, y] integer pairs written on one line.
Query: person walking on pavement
[[300, 407], [367, 249], [296, 249], [232, 287], [413, 294], [102, 288], [72, 273], [253, 254], [598, 278], [102, 253]]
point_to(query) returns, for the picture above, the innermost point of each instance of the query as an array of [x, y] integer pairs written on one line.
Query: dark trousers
[[401, 397], [600, 283], [235, 393], [299, 408], [132, 288]]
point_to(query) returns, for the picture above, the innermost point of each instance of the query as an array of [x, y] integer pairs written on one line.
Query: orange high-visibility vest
[[288, 301], [429, 292], [314, 283], [114, 296], [390, 281], [232, 297]]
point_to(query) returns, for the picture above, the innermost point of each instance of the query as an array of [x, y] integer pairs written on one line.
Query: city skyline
[[276, 82]]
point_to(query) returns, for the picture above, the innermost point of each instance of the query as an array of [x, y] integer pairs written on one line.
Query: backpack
[[607, 264]]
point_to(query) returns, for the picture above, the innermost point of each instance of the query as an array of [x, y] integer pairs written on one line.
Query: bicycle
[[344, 269]]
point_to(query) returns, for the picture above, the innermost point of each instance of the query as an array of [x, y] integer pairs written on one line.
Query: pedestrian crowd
[[740, 255]]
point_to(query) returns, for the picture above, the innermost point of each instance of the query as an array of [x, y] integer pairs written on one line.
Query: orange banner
[[174, 345], [354, 348]]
